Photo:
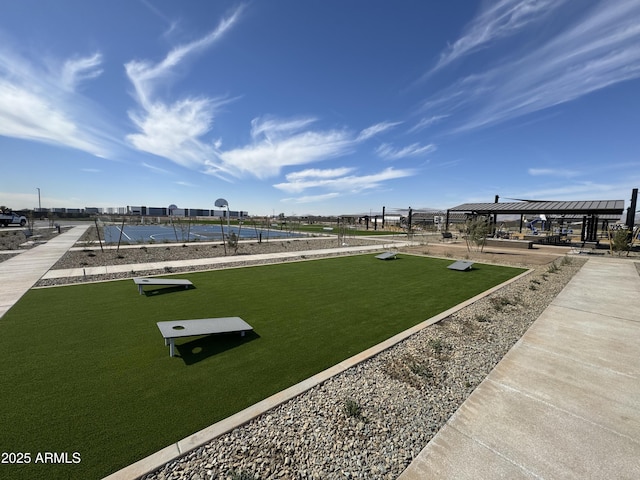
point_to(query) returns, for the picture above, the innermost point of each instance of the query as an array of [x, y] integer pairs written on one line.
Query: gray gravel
[[94, 256], [372, 420]]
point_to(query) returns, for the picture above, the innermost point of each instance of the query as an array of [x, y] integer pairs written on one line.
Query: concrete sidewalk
[[18, 274], [564, 402]]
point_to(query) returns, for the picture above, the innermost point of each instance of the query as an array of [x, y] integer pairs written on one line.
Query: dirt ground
[[539, 255]]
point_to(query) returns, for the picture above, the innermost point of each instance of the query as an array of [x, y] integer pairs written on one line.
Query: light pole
[[221, 202], [39, 204]]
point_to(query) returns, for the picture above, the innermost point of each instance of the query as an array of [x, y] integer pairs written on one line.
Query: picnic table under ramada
[[141, 282], [203, 326]]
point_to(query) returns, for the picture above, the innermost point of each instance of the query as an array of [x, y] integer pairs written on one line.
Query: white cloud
[[182, 183], [144, 75], [41, 106], [598, 49], [376, 129], [265, 159], [427, 122], [297, 183], [77, 69], [501, 19], [311, 198], [318, 173], [272, 128], [553, 172], [583, 190], [155, 168], [174, 130], [388, 152], [31, 116]]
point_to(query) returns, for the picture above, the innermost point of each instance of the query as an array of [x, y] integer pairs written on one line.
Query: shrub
[[620, 241], [500, 302], [436, 345], [476, 232], [566, 261], [352, 408], [241, 475]]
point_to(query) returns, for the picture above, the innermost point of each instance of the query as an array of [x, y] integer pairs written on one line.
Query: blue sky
[[317, 107]]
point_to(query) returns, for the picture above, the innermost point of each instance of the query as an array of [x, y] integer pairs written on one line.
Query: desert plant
[[620, 241], [437, 345], [500, 302], [476, 231], [233, 241], [352, 408], [553, 268], [241, 475]]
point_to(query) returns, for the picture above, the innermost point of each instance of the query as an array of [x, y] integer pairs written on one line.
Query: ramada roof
[[589, 207]]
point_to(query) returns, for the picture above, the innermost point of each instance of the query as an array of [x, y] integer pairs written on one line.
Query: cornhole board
[[141, 282], [387, 255], [461, 265], [202, 326]]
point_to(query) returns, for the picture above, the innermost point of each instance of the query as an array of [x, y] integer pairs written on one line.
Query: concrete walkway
[[564, 402], [18, 274]]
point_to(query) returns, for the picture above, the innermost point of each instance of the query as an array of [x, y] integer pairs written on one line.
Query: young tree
[[620, 241], [476, 231]]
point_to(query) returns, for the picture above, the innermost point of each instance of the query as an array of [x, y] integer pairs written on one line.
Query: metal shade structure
[[597, 207], [589, 210]]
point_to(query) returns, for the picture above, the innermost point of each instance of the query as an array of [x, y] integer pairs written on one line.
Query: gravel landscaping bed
[[372, 420], [85, 257]]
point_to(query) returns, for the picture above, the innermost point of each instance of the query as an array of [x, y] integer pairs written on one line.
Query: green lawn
[[85, 369]]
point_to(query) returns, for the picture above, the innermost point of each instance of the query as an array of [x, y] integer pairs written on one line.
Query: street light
[[221, 203], [39, 204]]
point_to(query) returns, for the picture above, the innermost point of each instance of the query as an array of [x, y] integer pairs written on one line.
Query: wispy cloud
[[319, 173], [311, 198], [182, 183], [175, 130], [427, 122], [552, 172], [600, 48], [499, 20], [376, 129], [280, 143], [334, 181], [582, 190], [144, 75], [155, 168], [38, 101], [78, 69], [388, 152]]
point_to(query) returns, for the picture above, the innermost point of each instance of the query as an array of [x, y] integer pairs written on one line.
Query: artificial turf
[[85, 369]]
